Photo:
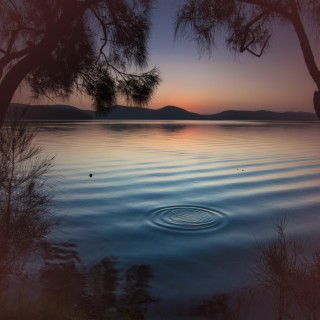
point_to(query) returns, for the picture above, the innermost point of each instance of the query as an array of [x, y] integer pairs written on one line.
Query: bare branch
[[12, 40], [270, 6], [256, 19], [247, 48], [104, 30]]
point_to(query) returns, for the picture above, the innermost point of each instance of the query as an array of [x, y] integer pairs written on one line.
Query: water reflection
[[136, 127], [60, 276], [173, 127], [254, 173], [287, 288], [100, 292], [225, 306]]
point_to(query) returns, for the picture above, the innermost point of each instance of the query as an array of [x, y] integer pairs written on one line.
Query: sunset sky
[[277, 81]]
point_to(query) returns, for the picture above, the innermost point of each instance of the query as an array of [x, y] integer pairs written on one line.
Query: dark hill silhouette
[[124, 113], [65, 112], [264, 115], [176, 113], [137, 113], [46, 112]]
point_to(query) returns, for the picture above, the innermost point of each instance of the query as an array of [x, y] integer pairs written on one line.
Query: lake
[[188, 199]]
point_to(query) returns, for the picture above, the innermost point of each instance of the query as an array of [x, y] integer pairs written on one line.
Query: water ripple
[[188, 218]]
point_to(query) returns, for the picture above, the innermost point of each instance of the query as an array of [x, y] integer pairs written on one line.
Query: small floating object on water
[[90, 175]]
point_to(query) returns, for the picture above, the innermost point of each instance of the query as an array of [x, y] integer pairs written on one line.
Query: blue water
[[189, 199]]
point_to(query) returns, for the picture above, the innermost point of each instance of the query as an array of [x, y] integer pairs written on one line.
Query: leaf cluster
[[247, 25], [101, 44]]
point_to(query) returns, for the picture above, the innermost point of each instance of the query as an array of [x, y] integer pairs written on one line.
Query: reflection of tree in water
[[172, 127], [140, 127], [66, 290], [113, 302], [60, 277], [136, 297], [225, 306], [102, 282], [95, 292], [289, 281]]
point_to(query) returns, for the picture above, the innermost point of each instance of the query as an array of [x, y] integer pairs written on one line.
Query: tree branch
[[246, 30], [269, 6], [104, 31], [305, 44], [12, 40], [4, 61], [254, 53], [256, 19]]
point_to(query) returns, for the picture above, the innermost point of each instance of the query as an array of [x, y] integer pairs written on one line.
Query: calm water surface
[[189, 199]]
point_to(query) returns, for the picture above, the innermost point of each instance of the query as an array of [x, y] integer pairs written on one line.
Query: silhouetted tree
[[77, 45], [25, 194], [249, 25]]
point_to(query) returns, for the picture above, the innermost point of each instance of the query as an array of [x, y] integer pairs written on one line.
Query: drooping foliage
[[248, 26], [91, 46]]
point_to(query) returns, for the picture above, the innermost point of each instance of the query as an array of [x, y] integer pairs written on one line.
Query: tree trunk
[[18, 72], [307, 54], [316, 103]]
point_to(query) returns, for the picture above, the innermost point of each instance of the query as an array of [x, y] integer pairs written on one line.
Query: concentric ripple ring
[[189, 218]]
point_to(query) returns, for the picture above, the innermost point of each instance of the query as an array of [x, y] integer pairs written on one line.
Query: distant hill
[[65, 112], [264, 115], [46, 112], [137, 113], [175, 113]]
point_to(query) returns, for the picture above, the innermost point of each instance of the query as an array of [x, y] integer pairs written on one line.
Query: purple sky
[[277, 81]]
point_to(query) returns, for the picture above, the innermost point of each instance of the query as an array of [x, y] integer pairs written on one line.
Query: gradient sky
[[277, 81]]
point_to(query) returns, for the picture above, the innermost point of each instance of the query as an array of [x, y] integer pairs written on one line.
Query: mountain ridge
[[45, 112], [119, 112]]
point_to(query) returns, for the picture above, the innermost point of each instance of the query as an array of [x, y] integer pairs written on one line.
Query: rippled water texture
[[188, 218], [189, 199]]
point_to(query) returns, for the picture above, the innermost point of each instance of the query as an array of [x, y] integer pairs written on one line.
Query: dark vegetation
[[289, 271], [87, 46], [248, 26], [25, 194]]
